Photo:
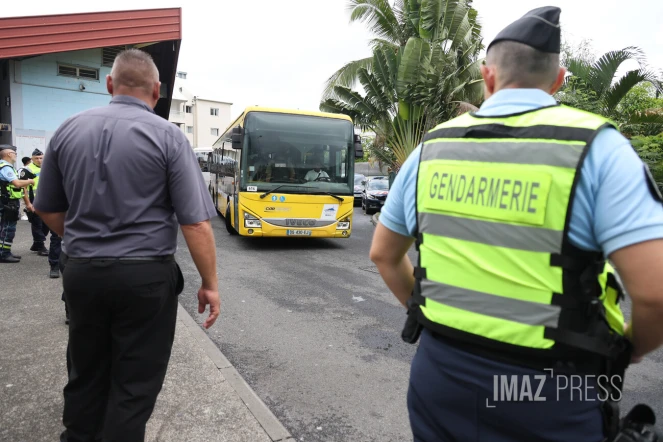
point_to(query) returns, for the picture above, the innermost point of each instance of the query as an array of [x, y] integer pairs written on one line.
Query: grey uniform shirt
[[125, 177]]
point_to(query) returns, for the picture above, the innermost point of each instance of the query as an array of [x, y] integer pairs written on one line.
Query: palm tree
[[423, 69], [453, 23], [592, 86]]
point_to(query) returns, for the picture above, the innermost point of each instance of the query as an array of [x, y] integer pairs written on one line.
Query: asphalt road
[[313, 329]]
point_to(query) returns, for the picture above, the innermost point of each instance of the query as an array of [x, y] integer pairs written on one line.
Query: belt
[[590, 365], [163, 258]]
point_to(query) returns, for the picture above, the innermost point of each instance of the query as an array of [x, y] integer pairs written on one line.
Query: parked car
[[374, 194], [359, 186]]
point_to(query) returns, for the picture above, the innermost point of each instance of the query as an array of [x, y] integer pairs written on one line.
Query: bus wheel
[[229, 226]]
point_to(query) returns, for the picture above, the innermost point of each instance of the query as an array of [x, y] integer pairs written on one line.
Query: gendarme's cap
[[7, 146], [539, 28], [37, 152]]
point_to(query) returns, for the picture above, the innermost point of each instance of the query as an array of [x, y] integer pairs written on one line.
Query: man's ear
[[156, 92], [489, 80], [109, 84], [559, 81]]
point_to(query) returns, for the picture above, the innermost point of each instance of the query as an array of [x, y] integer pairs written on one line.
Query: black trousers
[[39, 230], [121, 331]]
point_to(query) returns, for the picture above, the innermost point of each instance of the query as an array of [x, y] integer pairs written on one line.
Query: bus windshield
[[311, 154]]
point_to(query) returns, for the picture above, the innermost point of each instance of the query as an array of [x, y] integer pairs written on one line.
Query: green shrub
[[650, 150]]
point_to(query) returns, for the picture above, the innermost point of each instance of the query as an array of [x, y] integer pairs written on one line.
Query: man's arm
[[394, 233], [389, 253], [200, 240], [27, 202], [54, 220], [624, 219], [194, 208], [640, 268], [19, 184]]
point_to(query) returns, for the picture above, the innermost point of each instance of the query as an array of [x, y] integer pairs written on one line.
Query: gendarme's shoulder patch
[[651, 184]]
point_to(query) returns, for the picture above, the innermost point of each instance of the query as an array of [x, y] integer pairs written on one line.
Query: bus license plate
[[299, 232]]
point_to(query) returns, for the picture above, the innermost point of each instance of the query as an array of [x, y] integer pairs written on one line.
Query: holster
[[610, 408], [10, 210], [412, 329]]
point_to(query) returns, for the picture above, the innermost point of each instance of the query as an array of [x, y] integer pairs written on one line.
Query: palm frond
[[616, 93], [415, 57], [379, 16], [346, 76], [604, 70]]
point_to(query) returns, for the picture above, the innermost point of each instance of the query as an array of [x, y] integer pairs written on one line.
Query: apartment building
[[200, 118]]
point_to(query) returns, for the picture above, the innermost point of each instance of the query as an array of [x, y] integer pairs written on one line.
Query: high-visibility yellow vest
[[36, 170], [7, 189], [496, 267]]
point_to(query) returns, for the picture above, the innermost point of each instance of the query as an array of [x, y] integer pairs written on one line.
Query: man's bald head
[[134, 73]]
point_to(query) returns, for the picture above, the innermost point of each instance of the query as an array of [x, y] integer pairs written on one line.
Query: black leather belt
[[163, 258]]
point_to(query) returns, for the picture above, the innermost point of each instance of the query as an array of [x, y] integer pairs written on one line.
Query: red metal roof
[[26, 36]]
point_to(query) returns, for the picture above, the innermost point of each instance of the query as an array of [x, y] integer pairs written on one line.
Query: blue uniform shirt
[[8, 174], [613, 207]]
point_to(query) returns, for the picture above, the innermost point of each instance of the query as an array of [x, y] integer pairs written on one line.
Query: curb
[[374, 219], [272, 426]]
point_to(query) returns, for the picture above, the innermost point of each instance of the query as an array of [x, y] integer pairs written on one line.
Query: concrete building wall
[[42, 100]]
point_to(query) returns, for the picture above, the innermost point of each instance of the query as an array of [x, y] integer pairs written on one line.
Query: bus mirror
[[359, 150], [237, 141], [237, 137]]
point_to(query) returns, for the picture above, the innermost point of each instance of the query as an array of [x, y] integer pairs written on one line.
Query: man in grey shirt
[[115, 183]]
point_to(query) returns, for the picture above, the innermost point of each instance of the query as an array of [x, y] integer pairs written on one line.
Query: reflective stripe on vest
[[13, 192], [36, 170], [493, 207]]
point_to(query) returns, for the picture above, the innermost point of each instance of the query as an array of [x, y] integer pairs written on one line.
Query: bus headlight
[[251, 221], [343, 225]]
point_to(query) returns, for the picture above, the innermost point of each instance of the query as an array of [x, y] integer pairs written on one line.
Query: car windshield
[[310, 154], [378, 185], [359, 179]]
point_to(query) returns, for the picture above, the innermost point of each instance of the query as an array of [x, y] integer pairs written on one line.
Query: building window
[[108, 55], [181, 75], [78, 72], [214, 112], [215, 131], [187, 109], [189, 129]]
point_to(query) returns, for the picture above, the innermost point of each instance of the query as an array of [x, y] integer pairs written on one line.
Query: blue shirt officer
[[615, 211], [10, 195]]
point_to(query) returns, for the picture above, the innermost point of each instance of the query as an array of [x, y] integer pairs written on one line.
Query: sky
[[280, 53]]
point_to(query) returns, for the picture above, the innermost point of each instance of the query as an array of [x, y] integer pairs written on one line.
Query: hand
[[211, 297], [31, 181], [30, 208]]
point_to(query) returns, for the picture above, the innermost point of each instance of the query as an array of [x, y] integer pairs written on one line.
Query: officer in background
[[512, 227], [11, 192], [39, 229], [26, 162]]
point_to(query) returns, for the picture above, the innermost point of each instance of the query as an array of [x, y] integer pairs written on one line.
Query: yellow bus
[[286, 173]]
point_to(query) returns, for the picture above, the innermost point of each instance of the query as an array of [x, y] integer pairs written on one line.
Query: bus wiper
[[330, 194], [281, 186]]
